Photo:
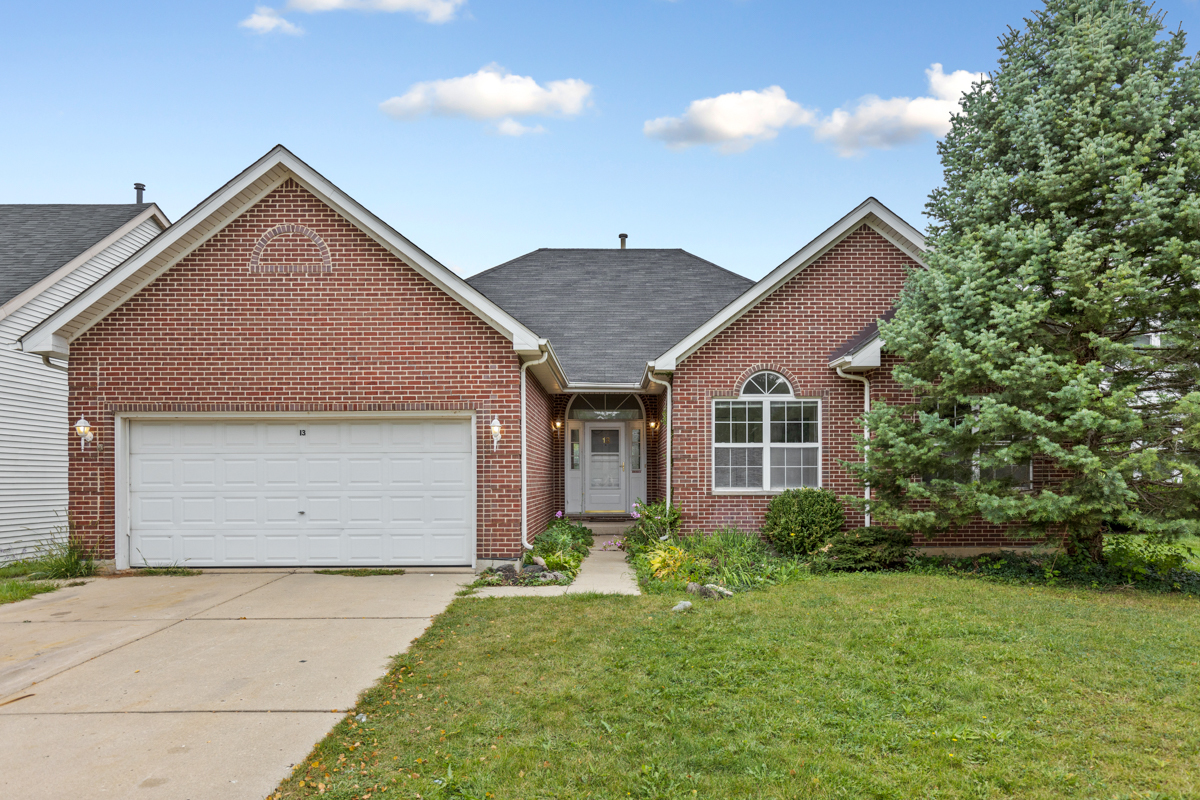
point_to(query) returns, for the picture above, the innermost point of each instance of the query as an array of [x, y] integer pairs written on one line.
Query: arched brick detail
[[257, 265], [757, 368]]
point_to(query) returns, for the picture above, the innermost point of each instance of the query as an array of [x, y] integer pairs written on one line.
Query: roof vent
[[139, 188], [623, 237]]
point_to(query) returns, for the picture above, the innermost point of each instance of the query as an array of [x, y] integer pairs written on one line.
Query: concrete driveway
[[193, 687]]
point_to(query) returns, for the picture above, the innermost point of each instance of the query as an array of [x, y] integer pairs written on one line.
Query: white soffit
[[54, 335], [871, 212]]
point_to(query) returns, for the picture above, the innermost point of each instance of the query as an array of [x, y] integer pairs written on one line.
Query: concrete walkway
[[603, 571], [210, 686]]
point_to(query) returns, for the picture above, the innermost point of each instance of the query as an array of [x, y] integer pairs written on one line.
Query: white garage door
[[281, 493]]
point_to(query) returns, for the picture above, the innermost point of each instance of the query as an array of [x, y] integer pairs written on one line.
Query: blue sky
[[182, 96]]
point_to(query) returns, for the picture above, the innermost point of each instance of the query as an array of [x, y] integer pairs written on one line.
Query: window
[[605, 407], [766, 440], [635, 450], [575, 448], [964, 468]]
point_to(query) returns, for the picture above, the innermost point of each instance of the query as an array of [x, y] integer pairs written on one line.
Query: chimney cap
[[622, 237], [139, 188]]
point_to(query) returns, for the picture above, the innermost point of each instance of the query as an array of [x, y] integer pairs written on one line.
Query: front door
[[604, 480]]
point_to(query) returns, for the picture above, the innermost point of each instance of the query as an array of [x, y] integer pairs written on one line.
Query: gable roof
[[36, 240], [858, 341], [870, 212], [609, 311], [54, 335]]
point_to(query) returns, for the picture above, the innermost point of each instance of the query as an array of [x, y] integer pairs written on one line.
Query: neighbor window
[[766, 440]]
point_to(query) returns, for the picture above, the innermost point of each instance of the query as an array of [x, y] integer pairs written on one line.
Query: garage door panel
[[198, 473], [324, 472], [366, 471], [239, 548], [198, 511], [285, 510], [151, 511], [323, 510], [372, 492], [450, 436], [448, 471], [239, 472], [198, 436]]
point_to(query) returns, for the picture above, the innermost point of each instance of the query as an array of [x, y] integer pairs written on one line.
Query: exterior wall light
[[84, 429], [497, 429], [558, 423], [653, 424]]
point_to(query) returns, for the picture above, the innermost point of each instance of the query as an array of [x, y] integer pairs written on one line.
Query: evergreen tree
[[1058, 322]]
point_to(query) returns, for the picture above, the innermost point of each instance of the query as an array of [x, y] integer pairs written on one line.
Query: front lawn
[[852, 686]]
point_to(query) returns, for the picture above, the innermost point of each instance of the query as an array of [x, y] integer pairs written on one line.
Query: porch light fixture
[[84, 429], [497, 429], [558, 423], [653, 424]]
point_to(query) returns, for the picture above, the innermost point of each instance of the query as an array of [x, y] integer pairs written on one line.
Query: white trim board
[[871, 212], [54, 335]]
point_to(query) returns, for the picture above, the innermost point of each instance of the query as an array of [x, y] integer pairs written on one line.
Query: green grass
[[849, 686], [14, 589], [359, 572], [173, 570]]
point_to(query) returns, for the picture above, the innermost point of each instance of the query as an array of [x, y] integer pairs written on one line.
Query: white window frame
[[766, 444]]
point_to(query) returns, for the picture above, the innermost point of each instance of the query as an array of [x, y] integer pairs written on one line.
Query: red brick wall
[[542, 451], [371, 335], [793, 332]]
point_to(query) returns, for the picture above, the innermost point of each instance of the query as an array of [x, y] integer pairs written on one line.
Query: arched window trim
[[767, 385]]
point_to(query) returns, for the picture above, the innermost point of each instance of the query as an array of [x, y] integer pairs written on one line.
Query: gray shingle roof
[[860, 340], [608, 312], [35, 240]]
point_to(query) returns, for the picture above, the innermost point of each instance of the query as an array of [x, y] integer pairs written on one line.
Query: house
[[281, 378], [48, 255]]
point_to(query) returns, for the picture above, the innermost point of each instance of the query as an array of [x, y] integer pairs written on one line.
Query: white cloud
[[733, 122], [430, 10], [882, 124], [491, 93], [266, 20], [510, 127]]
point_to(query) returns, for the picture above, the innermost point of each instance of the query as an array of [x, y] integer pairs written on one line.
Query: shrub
[[800, 521], [1138, 559], [863, 549], [670, 562], [563, 546], [652, 523]]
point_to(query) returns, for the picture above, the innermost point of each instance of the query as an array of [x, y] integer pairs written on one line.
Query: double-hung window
[[767, 440]]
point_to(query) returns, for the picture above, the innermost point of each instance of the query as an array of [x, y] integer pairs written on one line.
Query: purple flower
[[635, 515], [559, 515]]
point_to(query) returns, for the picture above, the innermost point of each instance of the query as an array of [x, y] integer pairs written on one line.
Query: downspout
[[46, 360], [669, 411], [866, 382], [524, 502]]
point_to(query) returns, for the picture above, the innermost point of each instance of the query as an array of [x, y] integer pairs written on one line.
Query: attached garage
[[300, 492]]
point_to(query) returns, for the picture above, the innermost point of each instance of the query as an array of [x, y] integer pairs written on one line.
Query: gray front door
[[604, 480]]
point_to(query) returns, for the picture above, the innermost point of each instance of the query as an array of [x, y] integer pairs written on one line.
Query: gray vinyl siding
[[34, 428]]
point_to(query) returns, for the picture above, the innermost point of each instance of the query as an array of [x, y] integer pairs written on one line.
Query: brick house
[[281, 378]]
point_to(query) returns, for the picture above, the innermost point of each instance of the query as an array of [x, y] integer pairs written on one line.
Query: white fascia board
[[439, 275], [153, 212], [779, 276], [868, 356], [46, 343]]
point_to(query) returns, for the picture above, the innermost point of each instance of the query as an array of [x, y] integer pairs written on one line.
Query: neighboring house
[[48, 255], [281, 378]]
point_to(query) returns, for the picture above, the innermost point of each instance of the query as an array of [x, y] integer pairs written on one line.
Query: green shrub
[[66, 559], [727, 557], [1140, 558], [800, 521], [863, 549], [563, 546], [652, 523]]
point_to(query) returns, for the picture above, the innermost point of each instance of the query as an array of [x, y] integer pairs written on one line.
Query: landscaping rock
[[684, 605], [361, 718], [718, 592], [554, 576], [694, 588], [708, 593], [534, 569], [541, 562], [509, 567]]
